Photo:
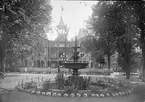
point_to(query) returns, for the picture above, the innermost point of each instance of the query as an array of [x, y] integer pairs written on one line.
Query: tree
[[90, 44], [103, 21], [125, 56], [127, 44], [135, 15], [114, 23], [141, 12], [21, 21]]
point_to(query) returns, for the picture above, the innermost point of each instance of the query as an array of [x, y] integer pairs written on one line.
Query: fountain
[[76, 85], [75, 66]]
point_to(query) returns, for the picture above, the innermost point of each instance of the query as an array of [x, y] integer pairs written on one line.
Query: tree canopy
[[21, 23], [116, 25]]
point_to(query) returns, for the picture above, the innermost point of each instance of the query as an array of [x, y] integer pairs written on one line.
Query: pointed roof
[[61, 21], [61, 24]]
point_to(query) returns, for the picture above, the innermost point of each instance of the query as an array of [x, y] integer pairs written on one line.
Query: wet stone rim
[[57, 94]]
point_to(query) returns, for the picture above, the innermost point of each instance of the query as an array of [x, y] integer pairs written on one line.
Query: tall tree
[[135, 15], [103, 21], [141, 12], [114, 23], [20, 22]]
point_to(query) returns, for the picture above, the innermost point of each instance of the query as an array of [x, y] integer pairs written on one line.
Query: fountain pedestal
[[75, 72], [75, 66]]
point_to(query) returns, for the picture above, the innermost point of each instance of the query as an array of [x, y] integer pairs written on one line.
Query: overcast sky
[[74, 15]]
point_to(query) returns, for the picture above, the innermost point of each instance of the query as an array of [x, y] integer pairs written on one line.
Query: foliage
[[91, 45], [79, 82], [127, 44], [46, 85], [60, 80], [133, 63], [116, 25], [72, 83], [100, 59], [29, 85], [22, 22], [105, 24]]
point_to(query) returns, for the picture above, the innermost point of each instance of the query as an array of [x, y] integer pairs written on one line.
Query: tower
[[62, 29], [61, 39]]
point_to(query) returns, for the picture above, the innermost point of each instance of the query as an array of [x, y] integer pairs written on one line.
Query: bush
[[29, 85], [46, 85], [60, 80]]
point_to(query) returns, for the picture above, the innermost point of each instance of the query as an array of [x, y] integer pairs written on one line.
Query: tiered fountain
[[75, 66], [76, 85]]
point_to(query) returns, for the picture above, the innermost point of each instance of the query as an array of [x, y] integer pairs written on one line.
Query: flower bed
[[77, 94], [109, 88]]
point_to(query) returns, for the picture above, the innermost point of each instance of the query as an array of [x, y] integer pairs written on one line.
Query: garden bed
[[75, 94], [110, 87]]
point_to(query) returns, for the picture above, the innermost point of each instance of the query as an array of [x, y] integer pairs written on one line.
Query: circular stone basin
[[75, 65]]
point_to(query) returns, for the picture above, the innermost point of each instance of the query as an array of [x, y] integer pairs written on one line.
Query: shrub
[[46, 85], [31, 84], [60, 80]]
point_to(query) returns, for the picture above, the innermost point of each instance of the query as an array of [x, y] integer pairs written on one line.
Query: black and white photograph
[[72, 51]]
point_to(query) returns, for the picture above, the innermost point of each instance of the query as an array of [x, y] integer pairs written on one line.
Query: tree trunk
[[1, 70], [10, 63], [142, 35], [143, 54], [128, 73], [109, 61], [2, 56]]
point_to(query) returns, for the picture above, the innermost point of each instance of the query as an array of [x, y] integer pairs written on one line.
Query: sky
[[74, 15]]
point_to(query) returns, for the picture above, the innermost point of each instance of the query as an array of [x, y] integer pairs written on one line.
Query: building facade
[[53, 53]]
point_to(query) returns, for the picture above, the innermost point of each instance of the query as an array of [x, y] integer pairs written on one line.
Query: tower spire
[[61, 11], [61, 24]]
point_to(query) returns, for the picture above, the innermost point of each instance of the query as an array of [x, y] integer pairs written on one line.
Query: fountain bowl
[[75, 65]]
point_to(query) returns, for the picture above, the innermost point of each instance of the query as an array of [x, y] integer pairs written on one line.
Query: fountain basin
[[75, 65]]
